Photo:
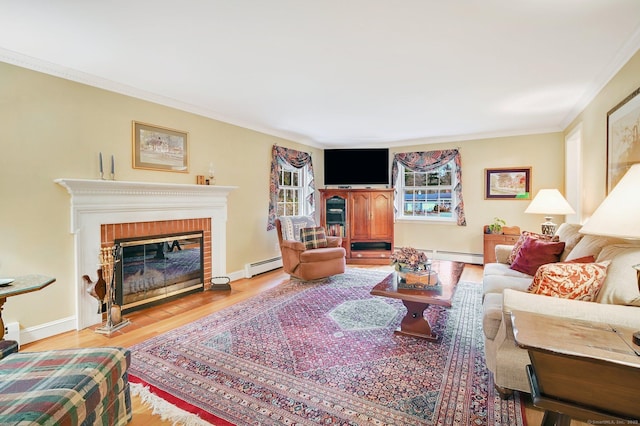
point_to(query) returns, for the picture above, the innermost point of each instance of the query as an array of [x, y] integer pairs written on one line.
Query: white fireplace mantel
[[99, 202]]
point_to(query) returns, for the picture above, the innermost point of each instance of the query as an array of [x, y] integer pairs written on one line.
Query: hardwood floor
[[159, 319]]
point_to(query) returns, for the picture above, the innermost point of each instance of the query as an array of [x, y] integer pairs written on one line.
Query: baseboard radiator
[[255, 268]]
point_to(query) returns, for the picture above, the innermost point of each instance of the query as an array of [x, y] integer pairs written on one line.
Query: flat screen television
[[358, 166]]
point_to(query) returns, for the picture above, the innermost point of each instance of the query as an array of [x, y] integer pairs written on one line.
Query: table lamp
[[617, 216], [549, 202]]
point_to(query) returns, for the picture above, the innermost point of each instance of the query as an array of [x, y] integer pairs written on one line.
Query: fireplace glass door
[[156, 268]]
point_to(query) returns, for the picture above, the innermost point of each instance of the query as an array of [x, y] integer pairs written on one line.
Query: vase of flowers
[[408, 259]]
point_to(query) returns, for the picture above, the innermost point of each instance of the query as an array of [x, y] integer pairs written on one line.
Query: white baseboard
[[42, 331], [238, 275], [50, 329]]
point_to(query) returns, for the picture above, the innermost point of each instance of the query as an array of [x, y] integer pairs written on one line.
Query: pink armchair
[[311, 264]]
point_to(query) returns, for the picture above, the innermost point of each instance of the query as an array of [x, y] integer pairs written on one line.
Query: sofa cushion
[[535, 252], [570, 280], [621, 285], [313, 237], [591, 245], [503, 251], [569, 233], [291, 226], [491, 314], [503, 269], [496, 282], [524, 237]]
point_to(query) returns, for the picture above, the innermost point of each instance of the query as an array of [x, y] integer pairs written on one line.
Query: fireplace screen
[[157, 268]]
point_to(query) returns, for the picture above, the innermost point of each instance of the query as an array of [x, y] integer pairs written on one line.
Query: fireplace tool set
[[104, 290]]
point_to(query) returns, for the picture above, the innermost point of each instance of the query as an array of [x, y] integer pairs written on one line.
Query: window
[[427, 195], [292, 193], [290, 184]]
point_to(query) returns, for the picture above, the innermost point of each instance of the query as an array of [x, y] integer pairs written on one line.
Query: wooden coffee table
[[417, 300]]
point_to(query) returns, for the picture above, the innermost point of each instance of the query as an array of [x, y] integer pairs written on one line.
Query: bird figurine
[[98, 289]]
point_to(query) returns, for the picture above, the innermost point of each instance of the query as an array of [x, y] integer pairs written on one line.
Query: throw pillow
[[535, 252], [291, 226], [567, 280], [523, 237], [313, 238], [585, 259]]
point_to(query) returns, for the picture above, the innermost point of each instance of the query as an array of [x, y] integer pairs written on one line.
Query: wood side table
[[585, 370], [21, 285], [492, 240]]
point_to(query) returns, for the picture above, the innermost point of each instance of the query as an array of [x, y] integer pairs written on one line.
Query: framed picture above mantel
[[512, 183], [623, 138], [159, 148]]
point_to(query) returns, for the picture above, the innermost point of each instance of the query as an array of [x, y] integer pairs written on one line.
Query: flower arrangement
[[408, 257]]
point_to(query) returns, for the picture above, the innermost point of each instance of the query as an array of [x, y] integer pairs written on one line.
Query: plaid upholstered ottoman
[[7, 347], [66, 387]]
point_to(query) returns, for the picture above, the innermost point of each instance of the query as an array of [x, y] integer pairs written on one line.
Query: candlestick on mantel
[[113, 168], [101, 171]]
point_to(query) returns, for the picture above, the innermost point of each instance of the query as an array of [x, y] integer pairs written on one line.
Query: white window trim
[[400, 217], [304, 207]]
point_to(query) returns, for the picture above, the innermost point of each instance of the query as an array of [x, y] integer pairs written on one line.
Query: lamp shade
[[549, 202], [617, 216]]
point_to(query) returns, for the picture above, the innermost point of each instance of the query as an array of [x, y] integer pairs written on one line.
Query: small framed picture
[[160, 148], [508, 183]]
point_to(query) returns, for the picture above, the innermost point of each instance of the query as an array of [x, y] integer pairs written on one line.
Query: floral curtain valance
[[294, 158], [431, 160]]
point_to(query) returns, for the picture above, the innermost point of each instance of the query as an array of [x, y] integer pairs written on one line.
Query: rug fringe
[[165, 410]]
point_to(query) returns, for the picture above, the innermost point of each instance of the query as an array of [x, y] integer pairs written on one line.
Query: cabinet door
[[360, 215], [381, 215]]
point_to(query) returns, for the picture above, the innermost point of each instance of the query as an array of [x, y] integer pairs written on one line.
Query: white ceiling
[[338, 72]]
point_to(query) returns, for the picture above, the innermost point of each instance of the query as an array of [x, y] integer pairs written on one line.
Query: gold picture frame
[[159, 148], [623, 138], [512, 183]]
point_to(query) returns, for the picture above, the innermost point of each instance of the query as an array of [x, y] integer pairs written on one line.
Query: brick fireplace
[[103, 211], [115, 231], [134, 234]]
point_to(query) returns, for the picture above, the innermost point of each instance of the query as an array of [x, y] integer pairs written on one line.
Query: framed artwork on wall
[[160, 148], [508, 183], [623, 138]]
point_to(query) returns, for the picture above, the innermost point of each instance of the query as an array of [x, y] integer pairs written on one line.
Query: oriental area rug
[[324, 352]]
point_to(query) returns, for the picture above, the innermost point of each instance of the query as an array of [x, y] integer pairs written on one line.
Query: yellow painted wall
[[52, 128], [544, 153], [593, 120]]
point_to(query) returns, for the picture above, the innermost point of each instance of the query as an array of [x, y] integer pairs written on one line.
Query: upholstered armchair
[[318, 256]]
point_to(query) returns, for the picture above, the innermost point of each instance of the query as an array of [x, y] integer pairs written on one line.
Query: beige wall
[[52, 128], [593, 120], [544, 153]]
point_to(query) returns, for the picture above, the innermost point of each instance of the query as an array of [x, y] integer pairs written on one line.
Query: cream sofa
[[505, 290]]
